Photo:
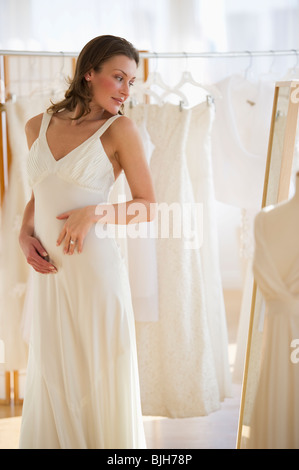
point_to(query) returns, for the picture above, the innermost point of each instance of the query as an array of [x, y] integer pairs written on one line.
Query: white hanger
[[149, 92], [294, 71], [53, 87], [187, 78], [154, 79], [249, 67], [270, 75], [179, 93]]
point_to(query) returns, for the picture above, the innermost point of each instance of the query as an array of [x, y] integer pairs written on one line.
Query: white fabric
[[82, 387], [240, 140], [140, 251], [274, 423], [178, 373], [247, 233], [240, 137], [14, 268], [199, 161]]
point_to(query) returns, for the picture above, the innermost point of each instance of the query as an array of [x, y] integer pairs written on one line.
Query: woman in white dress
[[82, 388]]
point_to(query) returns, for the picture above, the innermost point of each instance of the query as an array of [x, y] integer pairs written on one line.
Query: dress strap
[[45, 123], [107, 124], [47, 118]]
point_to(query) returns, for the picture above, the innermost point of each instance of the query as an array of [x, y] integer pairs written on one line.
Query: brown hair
[[93, 55]]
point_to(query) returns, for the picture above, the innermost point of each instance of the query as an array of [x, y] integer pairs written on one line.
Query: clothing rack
[[145, 55], [166, 55]]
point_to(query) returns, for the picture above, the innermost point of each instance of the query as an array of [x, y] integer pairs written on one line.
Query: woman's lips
[[118, 100]]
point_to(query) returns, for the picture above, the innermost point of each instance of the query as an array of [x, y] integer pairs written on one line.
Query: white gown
[[199, 160], [82, 388], [178, 371], [275, 419], [14, 267], [240, 140]]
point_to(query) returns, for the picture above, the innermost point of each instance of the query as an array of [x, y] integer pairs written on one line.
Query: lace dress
[[177, 363]]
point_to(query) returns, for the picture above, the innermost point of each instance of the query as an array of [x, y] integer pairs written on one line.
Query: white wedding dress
[[14, 267], [182, 373], [240, 140], [200, 169], [274, 423], [82, 387]]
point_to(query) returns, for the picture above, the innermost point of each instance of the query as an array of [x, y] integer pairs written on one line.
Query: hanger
[[294, 71], [54, 86], [270, 75], [145, 89], [172, 91], [249, 67], [187, 78], [154, 79]]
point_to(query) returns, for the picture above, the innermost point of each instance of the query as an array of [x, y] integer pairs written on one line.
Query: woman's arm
[[129, 151], [33, 250]]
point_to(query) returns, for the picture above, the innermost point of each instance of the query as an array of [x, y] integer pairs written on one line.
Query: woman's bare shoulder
[[32, 128], [125, 122], [124, 127]]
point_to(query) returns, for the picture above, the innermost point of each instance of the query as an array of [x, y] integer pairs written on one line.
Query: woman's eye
[[120, 79]]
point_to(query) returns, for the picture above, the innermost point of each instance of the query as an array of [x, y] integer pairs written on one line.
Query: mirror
[[277, 181]]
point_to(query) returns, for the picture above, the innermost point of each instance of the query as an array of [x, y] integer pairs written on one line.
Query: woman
[[82, 387]]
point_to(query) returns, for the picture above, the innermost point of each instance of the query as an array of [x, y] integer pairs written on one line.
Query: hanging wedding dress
[[239, 151], [139, 250], [179, 376], [240, 140], [14, 267], [82, 386], [199, 160], [274, 423]]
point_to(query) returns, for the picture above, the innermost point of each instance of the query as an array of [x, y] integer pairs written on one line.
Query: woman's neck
[[96, 113]]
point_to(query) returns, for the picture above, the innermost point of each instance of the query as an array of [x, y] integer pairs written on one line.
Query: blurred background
[[159, 25]]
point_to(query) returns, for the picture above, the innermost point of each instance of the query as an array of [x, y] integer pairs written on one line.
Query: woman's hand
[[75, 229], [36, 254]]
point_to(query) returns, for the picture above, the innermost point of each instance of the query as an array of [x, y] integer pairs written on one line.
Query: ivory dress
[[82, 388], [274, 423], [177, 362]]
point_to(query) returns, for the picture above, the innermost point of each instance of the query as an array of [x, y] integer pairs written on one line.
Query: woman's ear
[[88, 76]]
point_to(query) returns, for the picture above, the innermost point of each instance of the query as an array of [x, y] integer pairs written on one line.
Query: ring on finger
[[72, 242]]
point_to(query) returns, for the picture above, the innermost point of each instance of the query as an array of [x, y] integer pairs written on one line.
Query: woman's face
[[111, 85]]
